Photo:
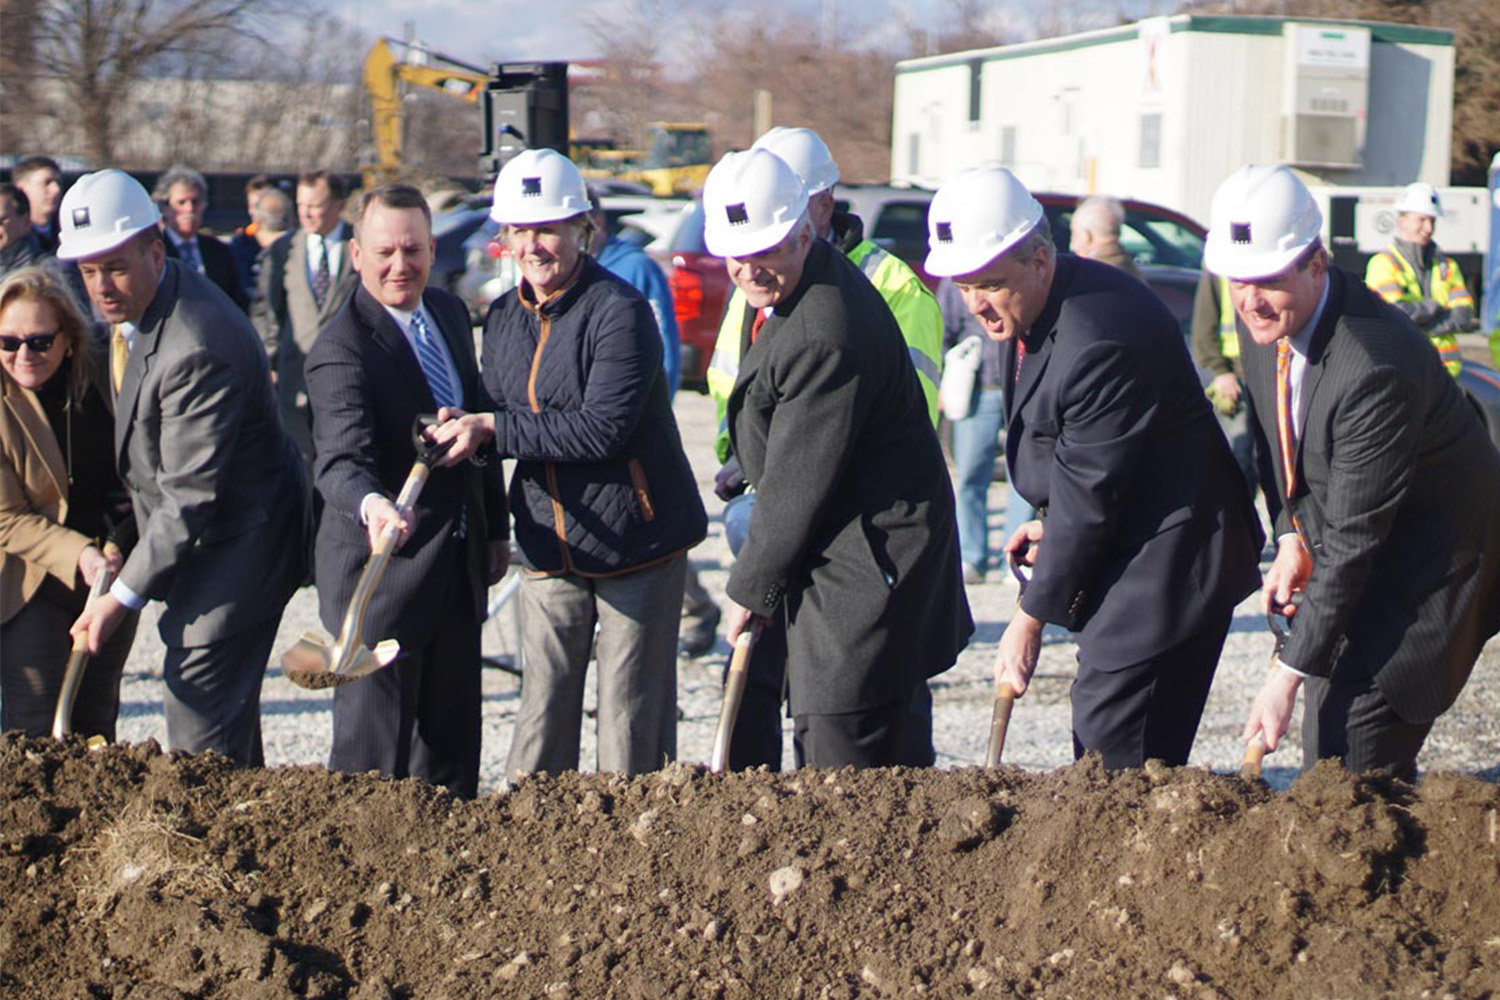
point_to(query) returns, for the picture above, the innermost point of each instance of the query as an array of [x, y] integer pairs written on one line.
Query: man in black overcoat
[[853, 543]]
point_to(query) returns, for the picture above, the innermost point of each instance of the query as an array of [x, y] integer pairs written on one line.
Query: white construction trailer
[[1165, 108]]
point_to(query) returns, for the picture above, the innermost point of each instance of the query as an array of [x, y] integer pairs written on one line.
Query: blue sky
[[482, 31]]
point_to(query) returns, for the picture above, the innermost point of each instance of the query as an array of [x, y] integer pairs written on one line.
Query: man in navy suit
[[398, 349], [1145, 542]]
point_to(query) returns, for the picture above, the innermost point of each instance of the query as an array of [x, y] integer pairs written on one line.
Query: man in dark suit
[[1146, 542], [305, 277], [397, 349], [220, 493], [853, 545], [183, 194], [1389, 538]]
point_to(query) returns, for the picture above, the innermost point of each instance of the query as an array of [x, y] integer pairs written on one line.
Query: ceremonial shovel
[[62, 720], [1255, 750], [311, 663], [1005, 695], [734, 693]]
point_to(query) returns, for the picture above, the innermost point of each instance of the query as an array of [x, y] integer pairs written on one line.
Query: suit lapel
[[1317, 357], [27, 410], [389, 338], [142, 355]]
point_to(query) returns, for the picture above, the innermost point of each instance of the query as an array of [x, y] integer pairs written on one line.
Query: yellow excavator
[[676, 163], [384, 75]]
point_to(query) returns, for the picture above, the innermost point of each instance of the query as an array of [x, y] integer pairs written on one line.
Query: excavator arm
[[384, 75]]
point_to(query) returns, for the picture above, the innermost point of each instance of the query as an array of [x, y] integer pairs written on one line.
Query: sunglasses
[[38, 343]]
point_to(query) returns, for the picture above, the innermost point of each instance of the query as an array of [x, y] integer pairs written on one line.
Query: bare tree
[[99, 48]]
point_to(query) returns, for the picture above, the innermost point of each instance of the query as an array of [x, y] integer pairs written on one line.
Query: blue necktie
[[434, 362], [190, 256]]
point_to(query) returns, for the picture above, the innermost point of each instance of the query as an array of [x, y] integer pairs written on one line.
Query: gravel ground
[[297, 726]]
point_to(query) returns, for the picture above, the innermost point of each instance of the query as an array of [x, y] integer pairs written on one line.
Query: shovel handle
[[1255, 751], [734, 693], [78, 658], [1005, 701]]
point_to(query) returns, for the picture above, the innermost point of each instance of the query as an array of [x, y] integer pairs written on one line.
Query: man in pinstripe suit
[[395, 350], [1389, 539]]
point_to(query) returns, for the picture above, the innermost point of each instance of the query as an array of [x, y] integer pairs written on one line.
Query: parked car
[[1168, 245]]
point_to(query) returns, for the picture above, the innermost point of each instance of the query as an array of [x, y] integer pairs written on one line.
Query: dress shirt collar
[[331, 239], [178, 239]]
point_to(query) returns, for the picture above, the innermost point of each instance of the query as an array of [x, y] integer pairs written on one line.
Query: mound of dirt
[[129, 874]]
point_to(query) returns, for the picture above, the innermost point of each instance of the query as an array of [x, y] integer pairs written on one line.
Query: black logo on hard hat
[[945, 232], [1239, 232], [81, 218], [531, 187], [737, 214]]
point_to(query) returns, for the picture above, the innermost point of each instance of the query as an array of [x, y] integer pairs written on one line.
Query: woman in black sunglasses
[[60, 496]]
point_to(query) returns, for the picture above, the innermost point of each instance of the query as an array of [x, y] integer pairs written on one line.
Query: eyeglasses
[[37, 343]]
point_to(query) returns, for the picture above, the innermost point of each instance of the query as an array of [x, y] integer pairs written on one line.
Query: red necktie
[[1284, 427], [759, 321], [1020, 357]]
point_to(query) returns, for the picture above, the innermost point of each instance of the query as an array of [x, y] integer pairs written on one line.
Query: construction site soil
[[131, 874]]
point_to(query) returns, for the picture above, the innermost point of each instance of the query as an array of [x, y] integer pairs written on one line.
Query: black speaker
[[525, 106]]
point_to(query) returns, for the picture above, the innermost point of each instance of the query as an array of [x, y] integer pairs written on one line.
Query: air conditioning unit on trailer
[[1328, 91]]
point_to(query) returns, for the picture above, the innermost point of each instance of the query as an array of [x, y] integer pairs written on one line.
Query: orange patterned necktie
[[1284, 427]]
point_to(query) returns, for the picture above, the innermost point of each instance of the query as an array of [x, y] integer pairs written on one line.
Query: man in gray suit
[[305, 278], [221, 496], [1388, 539]]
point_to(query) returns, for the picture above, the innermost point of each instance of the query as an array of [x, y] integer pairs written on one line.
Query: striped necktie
[[1284, 427], [434, 362], [119, 354]]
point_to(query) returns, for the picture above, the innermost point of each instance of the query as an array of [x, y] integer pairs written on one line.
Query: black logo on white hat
[[531, 187], [945, 232], [737, 215], [1239, 232], [81, 218]]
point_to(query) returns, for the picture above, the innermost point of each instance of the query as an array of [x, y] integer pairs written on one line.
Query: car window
[[1153, 240], [901, 227]]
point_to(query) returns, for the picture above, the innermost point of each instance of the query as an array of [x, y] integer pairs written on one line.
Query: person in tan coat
[[57, 478]]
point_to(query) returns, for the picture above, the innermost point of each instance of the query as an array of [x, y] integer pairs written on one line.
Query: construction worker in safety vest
[[757, 734], [1215, 344], [1419, 279], [913, 304]]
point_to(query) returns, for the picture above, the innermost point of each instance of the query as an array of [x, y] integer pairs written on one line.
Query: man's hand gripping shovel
[[312, 663], [1278, 618], [62, 719], [1005, 695]]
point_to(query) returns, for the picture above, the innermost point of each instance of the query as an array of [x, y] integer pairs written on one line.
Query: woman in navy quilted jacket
[[605, 503]]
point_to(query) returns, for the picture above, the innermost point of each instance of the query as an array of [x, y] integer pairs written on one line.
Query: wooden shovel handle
[[1005, 701], [1255, 751], [734, 693]]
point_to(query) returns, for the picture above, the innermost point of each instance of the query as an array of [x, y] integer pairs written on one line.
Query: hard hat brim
[[83, 247], [748, 244], [1221, 260], [536, 218]]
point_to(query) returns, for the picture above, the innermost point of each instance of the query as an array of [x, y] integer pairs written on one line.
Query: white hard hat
[[536, 186], [751, 201], [976, 217], [101, 212], [1261, 220], [1421, 199], [806, 153]]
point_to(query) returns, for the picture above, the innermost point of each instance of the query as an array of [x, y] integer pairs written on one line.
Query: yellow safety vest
[[913, 304], [1229, 334], [1394, 279]]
